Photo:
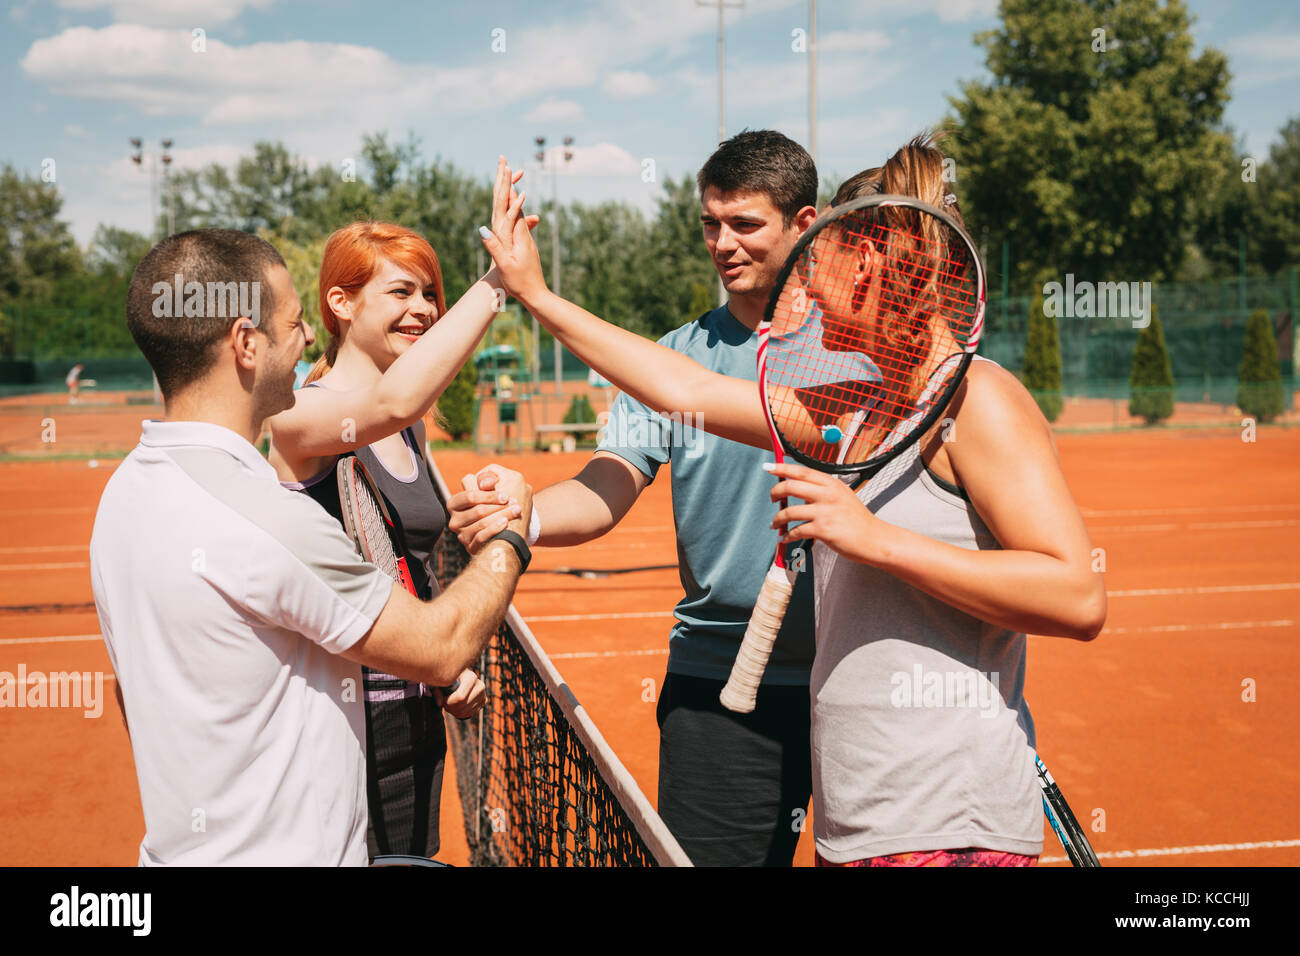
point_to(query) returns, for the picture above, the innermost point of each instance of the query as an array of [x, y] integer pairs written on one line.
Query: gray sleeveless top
[[922, 739]]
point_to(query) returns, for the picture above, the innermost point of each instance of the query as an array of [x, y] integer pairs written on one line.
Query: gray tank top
[[922, 739]]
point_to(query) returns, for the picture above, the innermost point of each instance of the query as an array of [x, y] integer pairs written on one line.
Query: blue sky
[[630, 80]]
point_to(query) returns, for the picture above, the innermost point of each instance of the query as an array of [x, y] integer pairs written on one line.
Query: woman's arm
[[329, 422], [665, 380], [1041, 582], [326, 421], [654, 375]]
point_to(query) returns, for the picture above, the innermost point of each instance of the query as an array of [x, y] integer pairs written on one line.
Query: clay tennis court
[[1170, 734]]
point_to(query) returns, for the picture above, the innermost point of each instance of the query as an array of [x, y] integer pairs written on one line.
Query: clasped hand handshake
[[492, 500]]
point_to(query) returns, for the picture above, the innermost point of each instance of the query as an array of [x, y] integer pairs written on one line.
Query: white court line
[[1181, 850], [1128, 528], [1171, 628], [1163, 628], [1196, 510], [1221, 589], [588, 654], [60, 639], [1214, 525], [532, 619], [32, 681], [41, 549], [44, 567], [1194, 526]]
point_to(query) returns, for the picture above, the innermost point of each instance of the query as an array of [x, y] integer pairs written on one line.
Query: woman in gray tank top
[[926, 581], [393, 348]]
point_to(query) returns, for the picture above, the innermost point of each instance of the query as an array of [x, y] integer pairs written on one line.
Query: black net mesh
[[532, 794]]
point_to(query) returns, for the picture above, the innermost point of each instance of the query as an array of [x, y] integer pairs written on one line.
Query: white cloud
[[352, 87], [170, 13], [948, 11], [18, 12], [1261, 59], [622, 84], [597, 173], [554, 111], [846, 41], [348, 86], [117, 192], [76, 130], [1274, 47], [785, 80], [956, 10]]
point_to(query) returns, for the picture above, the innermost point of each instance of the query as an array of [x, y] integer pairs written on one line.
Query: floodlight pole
[[812, 80], [555, 250], [137, 157], [722, 123]]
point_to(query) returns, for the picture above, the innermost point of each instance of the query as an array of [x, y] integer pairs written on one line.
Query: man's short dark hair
[[764, 161], [179, 346]]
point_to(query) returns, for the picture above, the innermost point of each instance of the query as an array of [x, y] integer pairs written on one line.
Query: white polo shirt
[[225, 601]]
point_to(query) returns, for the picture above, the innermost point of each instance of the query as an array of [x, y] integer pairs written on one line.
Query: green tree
[[1042, 374], [271, 189], [1087, 144], [1279, 179], [675, 277], [605, 248], [580, 412], [303, 259], [1151, 381], [36, 246], [116, 251], [456, 406], [37, 252], [1259, 388]]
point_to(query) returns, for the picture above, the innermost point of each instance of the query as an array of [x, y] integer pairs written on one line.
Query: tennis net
[[539, 786]]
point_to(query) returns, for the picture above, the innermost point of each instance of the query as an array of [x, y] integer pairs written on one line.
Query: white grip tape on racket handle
[[741, 692]]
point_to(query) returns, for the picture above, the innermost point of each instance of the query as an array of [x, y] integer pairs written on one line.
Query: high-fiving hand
[[510, 240]]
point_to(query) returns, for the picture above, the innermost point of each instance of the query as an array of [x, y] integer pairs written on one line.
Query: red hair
[[352, 256]]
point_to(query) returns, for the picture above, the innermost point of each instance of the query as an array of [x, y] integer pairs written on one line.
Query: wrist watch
[[519, 544]]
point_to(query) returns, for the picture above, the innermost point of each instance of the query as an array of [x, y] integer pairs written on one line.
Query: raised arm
[[664, 380], [329, 422]]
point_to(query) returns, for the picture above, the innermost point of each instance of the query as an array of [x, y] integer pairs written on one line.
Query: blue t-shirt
[[723, 513]]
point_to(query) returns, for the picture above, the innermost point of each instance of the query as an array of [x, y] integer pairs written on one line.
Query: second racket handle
[[741, 692]]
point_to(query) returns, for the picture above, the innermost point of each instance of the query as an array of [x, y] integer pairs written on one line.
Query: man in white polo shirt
[[237, 613]]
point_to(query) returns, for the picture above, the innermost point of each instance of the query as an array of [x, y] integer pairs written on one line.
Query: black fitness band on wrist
[[517, 542]]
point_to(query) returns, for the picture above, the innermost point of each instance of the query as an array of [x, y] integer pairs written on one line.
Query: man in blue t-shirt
[[733, 788]]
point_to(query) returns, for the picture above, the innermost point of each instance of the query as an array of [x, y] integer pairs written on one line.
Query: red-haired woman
[[393, 348]]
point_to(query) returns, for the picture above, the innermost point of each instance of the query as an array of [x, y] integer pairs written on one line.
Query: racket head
[[873, 321], [365, 517]]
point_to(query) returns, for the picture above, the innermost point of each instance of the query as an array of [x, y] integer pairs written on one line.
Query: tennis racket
[[873, 321], [1059, 815], [367, 522]]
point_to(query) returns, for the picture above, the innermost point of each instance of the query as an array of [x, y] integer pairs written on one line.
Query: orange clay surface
[[1146, 729]]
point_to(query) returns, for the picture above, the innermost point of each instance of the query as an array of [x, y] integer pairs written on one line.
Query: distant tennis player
[[74, 383], [236, 612]]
